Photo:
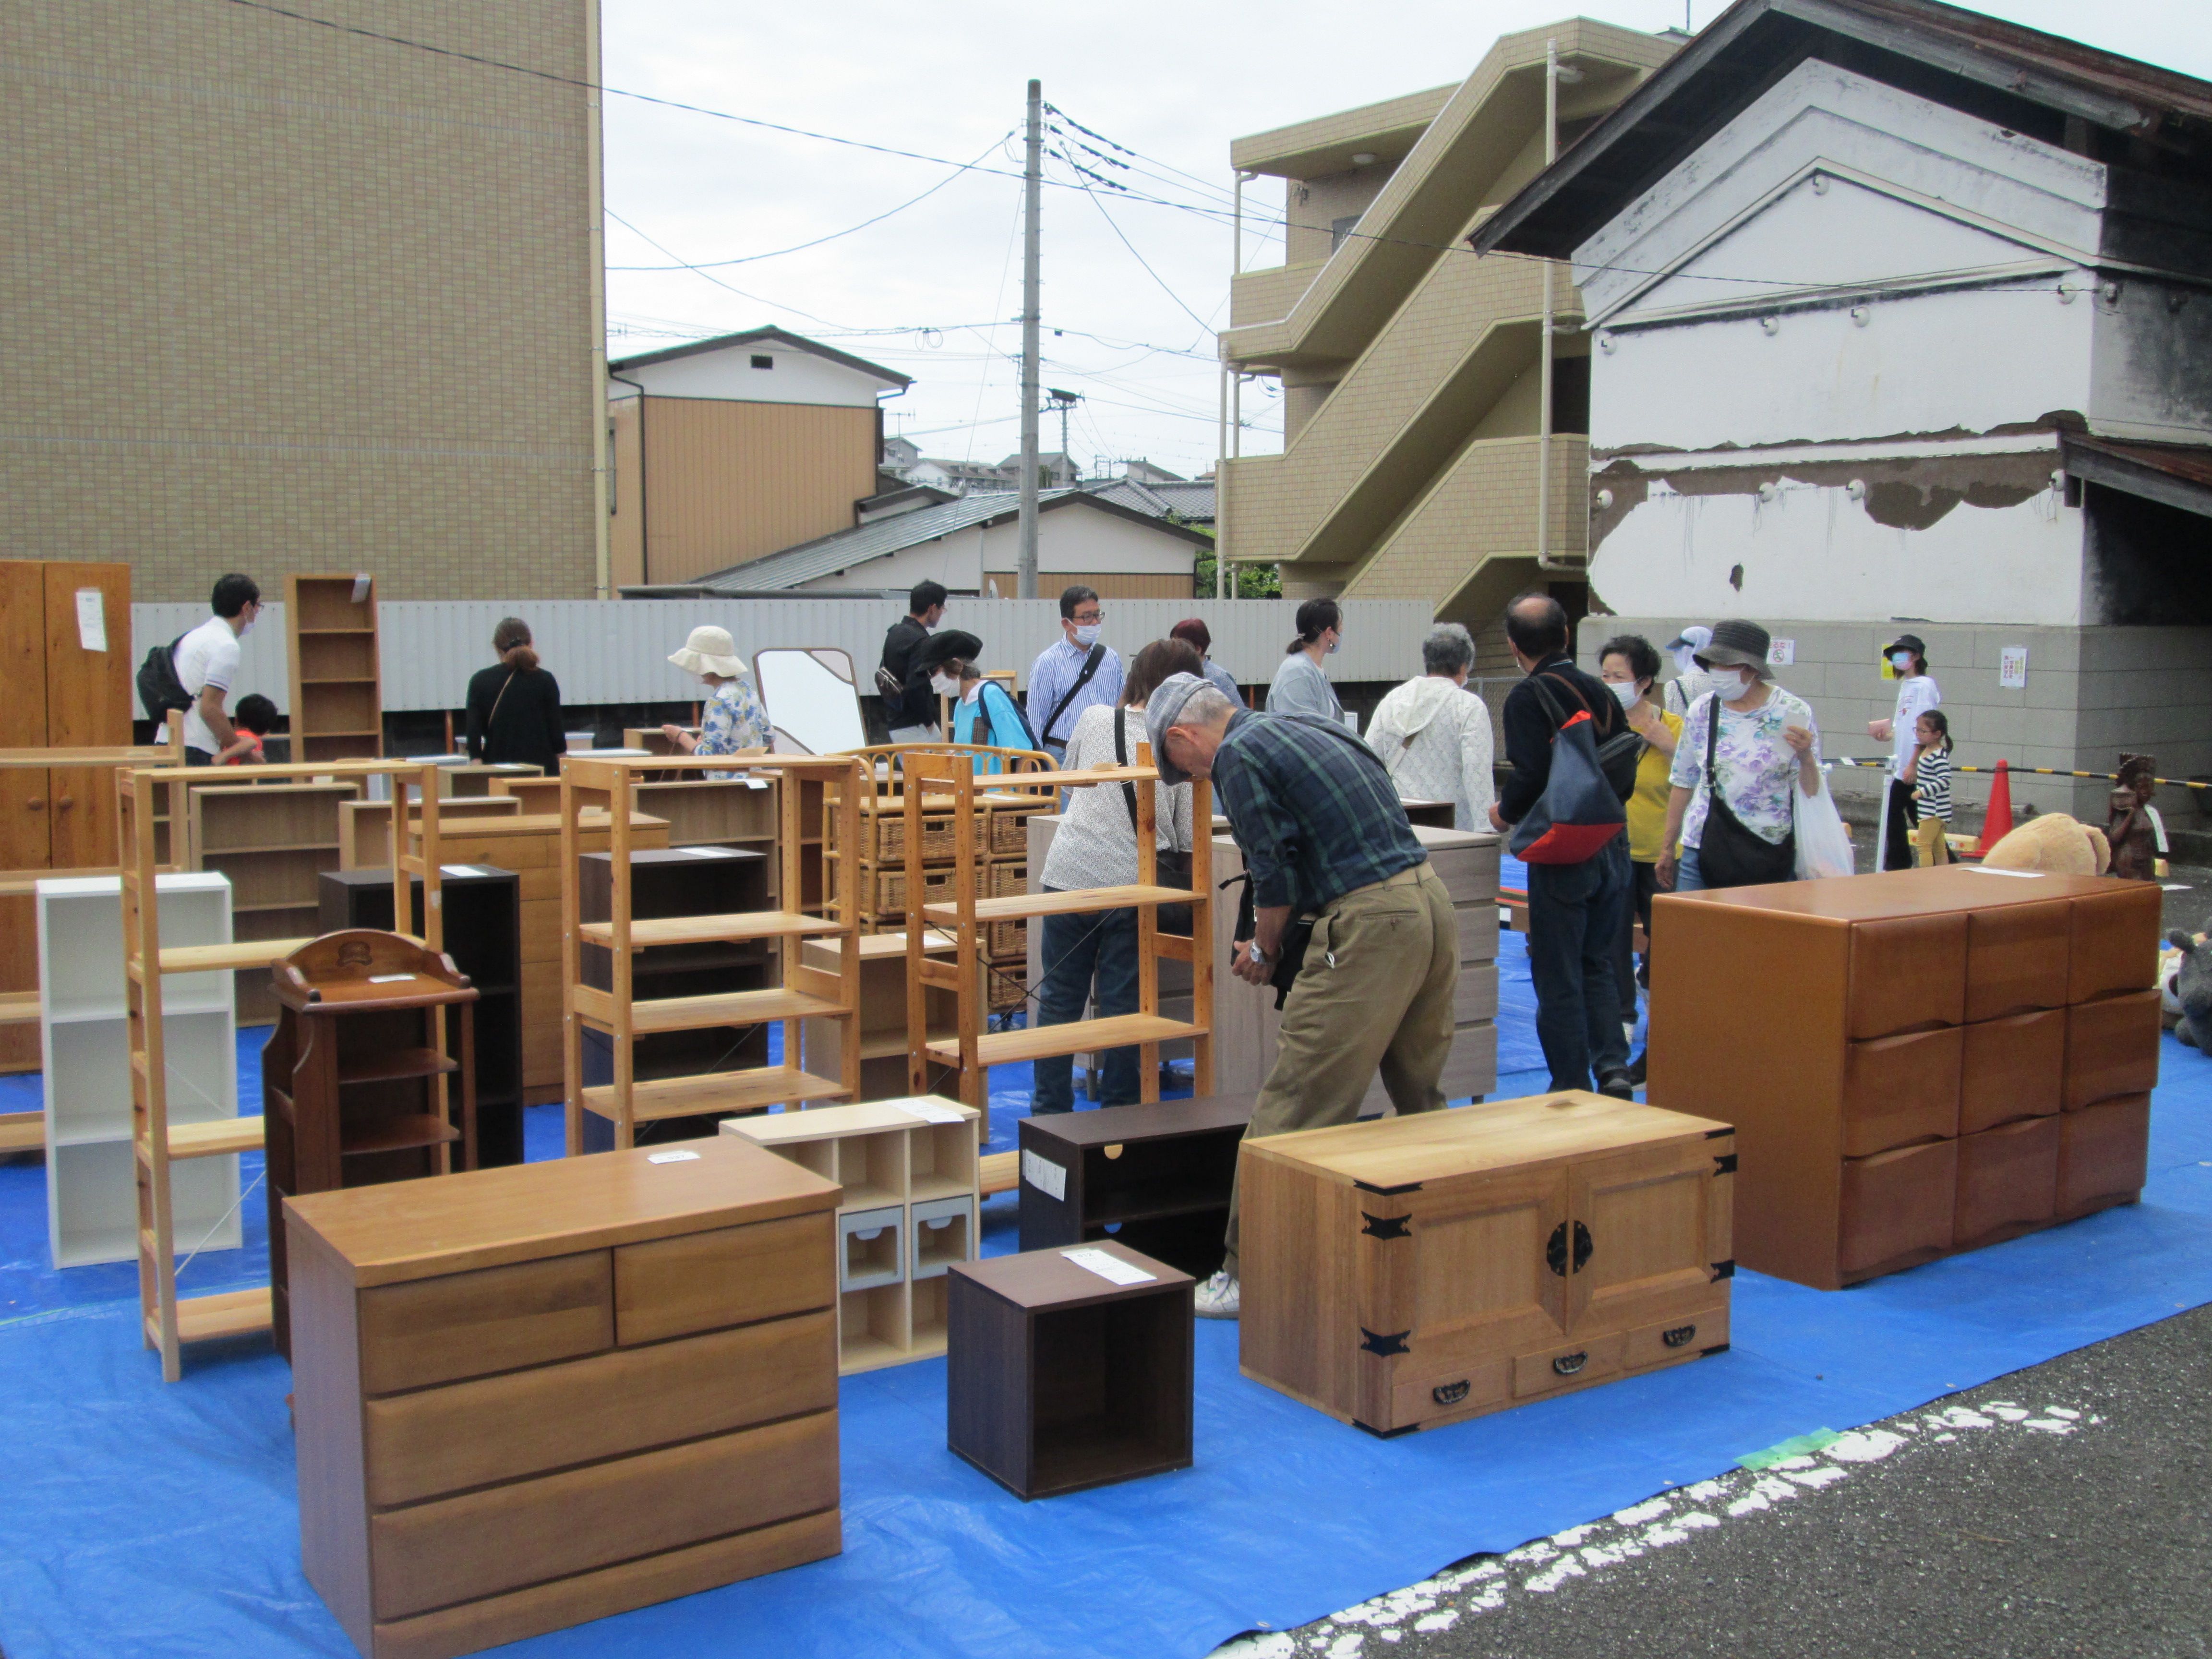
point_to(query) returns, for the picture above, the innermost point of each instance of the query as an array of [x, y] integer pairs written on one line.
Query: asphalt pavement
[[2061, 1510]]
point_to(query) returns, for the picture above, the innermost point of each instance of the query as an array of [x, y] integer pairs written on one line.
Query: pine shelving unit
[[158, 1142], [995, 835], [970, 912], [274, 840], [800, 993], [337, 700], [908, 1213]]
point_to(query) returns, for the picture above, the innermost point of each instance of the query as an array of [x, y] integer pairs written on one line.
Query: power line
[[1139, 258], [800, 248], [716, 281]]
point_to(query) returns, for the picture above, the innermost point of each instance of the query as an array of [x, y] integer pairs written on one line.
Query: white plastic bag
[[1823, 849]]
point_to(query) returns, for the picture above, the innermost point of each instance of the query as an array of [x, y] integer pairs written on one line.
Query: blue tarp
[[144, 1519]]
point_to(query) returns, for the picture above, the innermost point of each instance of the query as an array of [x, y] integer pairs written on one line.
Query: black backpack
[[158, 688]]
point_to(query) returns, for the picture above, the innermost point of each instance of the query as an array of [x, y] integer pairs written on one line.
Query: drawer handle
[[1450, 1393], [1681, 1337], [1568, 1363]]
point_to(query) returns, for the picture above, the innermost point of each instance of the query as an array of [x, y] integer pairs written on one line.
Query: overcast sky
[[933, 289]]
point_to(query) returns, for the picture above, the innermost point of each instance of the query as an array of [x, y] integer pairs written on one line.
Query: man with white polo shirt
[[207, 662]]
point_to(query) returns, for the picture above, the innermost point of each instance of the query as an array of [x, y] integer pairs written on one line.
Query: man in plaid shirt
[[1323, 834]]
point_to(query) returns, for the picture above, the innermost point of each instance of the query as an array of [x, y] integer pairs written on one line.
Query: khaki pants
[[1376, 992]]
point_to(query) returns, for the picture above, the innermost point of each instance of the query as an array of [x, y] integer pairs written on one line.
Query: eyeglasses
[[1084, 619]]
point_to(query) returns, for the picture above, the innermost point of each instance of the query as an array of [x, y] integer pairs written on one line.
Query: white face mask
[[1729, 684], [1901, 661], [1685, 659], [1086, 634], [943, 685], [246, 627], [1333, 645], [1626, 691]]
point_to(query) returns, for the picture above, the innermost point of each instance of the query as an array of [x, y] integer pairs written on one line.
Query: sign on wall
[[1780, 654], [2012, 667]]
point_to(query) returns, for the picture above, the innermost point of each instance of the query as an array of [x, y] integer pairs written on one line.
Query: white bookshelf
[[92, 1197]]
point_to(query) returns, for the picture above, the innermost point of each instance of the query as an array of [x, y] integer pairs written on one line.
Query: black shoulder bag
[[1090, 667], [1730, 855], [1171, 868]]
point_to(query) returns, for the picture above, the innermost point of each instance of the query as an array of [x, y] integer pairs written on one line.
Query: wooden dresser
[[531, 1396], [1405, 1272], [1919, 1062]]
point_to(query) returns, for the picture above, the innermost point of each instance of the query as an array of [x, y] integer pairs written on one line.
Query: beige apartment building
[[284, 298], [1410, 368]]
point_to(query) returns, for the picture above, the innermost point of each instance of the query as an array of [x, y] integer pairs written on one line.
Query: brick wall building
[[285, 298]]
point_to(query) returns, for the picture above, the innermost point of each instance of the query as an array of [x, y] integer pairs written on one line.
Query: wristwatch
[[1254, 953]]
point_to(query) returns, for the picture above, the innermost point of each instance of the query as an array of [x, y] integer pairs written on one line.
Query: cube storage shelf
[[881, 1027], [1059, 1377], [1154, 1178], [909, 1169], [92, 1205]]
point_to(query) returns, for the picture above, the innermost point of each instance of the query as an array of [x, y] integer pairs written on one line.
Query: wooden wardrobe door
[[88, 705], [25, 839]]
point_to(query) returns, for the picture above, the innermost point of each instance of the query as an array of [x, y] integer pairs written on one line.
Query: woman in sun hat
[[1745, 746], [734, 721]]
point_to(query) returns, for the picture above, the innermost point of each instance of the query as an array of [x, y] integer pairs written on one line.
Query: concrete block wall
[[2091, 694]]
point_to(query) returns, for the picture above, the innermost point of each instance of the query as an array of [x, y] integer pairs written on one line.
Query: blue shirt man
[[1053, 712]]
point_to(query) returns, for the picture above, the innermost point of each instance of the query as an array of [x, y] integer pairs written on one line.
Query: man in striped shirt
[[1323, 834], [1062, 681]]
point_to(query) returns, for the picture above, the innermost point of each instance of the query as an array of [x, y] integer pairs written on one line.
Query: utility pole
[[1032, 191], [1544, 389]]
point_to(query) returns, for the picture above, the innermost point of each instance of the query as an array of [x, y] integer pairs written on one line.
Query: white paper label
[[671, 1157], [1984, 870], [1108, 1266], [707, 852], [1352, 721], [1046, 1177], [1781, 653], [361, 589], [2012, 667], [390, 979], [91, 619], [463, 870], [931, 1111]]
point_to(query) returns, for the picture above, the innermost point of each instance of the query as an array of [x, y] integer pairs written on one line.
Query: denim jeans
[[1077, 950], [1576, 914], [1688, 876]]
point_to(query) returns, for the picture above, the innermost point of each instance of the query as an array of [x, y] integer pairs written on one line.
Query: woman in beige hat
[[734, 721]]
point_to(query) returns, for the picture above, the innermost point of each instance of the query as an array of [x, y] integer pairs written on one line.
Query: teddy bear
[[2056, 844]]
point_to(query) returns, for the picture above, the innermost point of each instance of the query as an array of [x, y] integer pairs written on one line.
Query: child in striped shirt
[[1929, 772]]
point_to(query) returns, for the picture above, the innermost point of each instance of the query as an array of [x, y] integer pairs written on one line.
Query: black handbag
[[1170, 868], [1291, 956], [1730, 855]]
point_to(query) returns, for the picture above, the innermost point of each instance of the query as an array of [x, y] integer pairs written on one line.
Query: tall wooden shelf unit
[[969, 914], [802, 991], [337, 702], [274, 840], [156, 1141]]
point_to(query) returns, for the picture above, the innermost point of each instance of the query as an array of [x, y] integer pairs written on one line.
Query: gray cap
[[1164, 709]]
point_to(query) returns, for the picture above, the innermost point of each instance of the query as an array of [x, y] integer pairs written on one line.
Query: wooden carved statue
[[2133, 829]]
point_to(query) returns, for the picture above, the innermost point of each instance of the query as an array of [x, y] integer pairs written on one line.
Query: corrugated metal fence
[[616, 652]]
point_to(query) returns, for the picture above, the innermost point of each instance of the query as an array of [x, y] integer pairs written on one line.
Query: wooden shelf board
[[280, 847], [1082, 1037], [703, 1013], [1081, 900], [998, 1172], [204, 1318], [396, 1066], [271, 906], [215, 1139], [18, 1007], [715, 1091], [422, 1129], [712, 930], [23, 1132], [869, 1353], [371, 629], [923, 1189], [244, 954]]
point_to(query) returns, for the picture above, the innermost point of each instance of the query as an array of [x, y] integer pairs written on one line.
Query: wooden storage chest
[[532, 1396], [1407, 1272], [1907, 1055]]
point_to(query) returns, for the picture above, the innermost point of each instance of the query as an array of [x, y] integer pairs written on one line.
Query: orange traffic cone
[[1996, 823]]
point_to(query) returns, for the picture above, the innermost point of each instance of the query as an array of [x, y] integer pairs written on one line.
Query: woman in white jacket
[[1433, 733]]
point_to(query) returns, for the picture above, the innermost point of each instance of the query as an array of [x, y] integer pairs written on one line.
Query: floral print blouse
[[734, 719], [1756, 767]]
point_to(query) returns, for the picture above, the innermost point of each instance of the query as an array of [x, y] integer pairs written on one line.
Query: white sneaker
[[1218, 1298]]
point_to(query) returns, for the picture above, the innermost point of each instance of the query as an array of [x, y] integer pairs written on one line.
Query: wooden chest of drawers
[[1407, 1272], [1915, 1063], [531, 1396]]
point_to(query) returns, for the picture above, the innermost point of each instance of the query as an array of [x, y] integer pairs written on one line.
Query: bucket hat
[[1737, 644], [709, 651]]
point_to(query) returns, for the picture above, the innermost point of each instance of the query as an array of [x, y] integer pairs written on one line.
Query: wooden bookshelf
[[337, 702], [273, 840]]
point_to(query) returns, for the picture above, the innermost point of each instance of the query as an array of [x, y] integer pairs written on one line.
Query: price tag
[[936, 1111], [1984, 870], [1108, 1266], [91, 619], [671, 1158], [1046, 1177], [390, 979], [361, 589]]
